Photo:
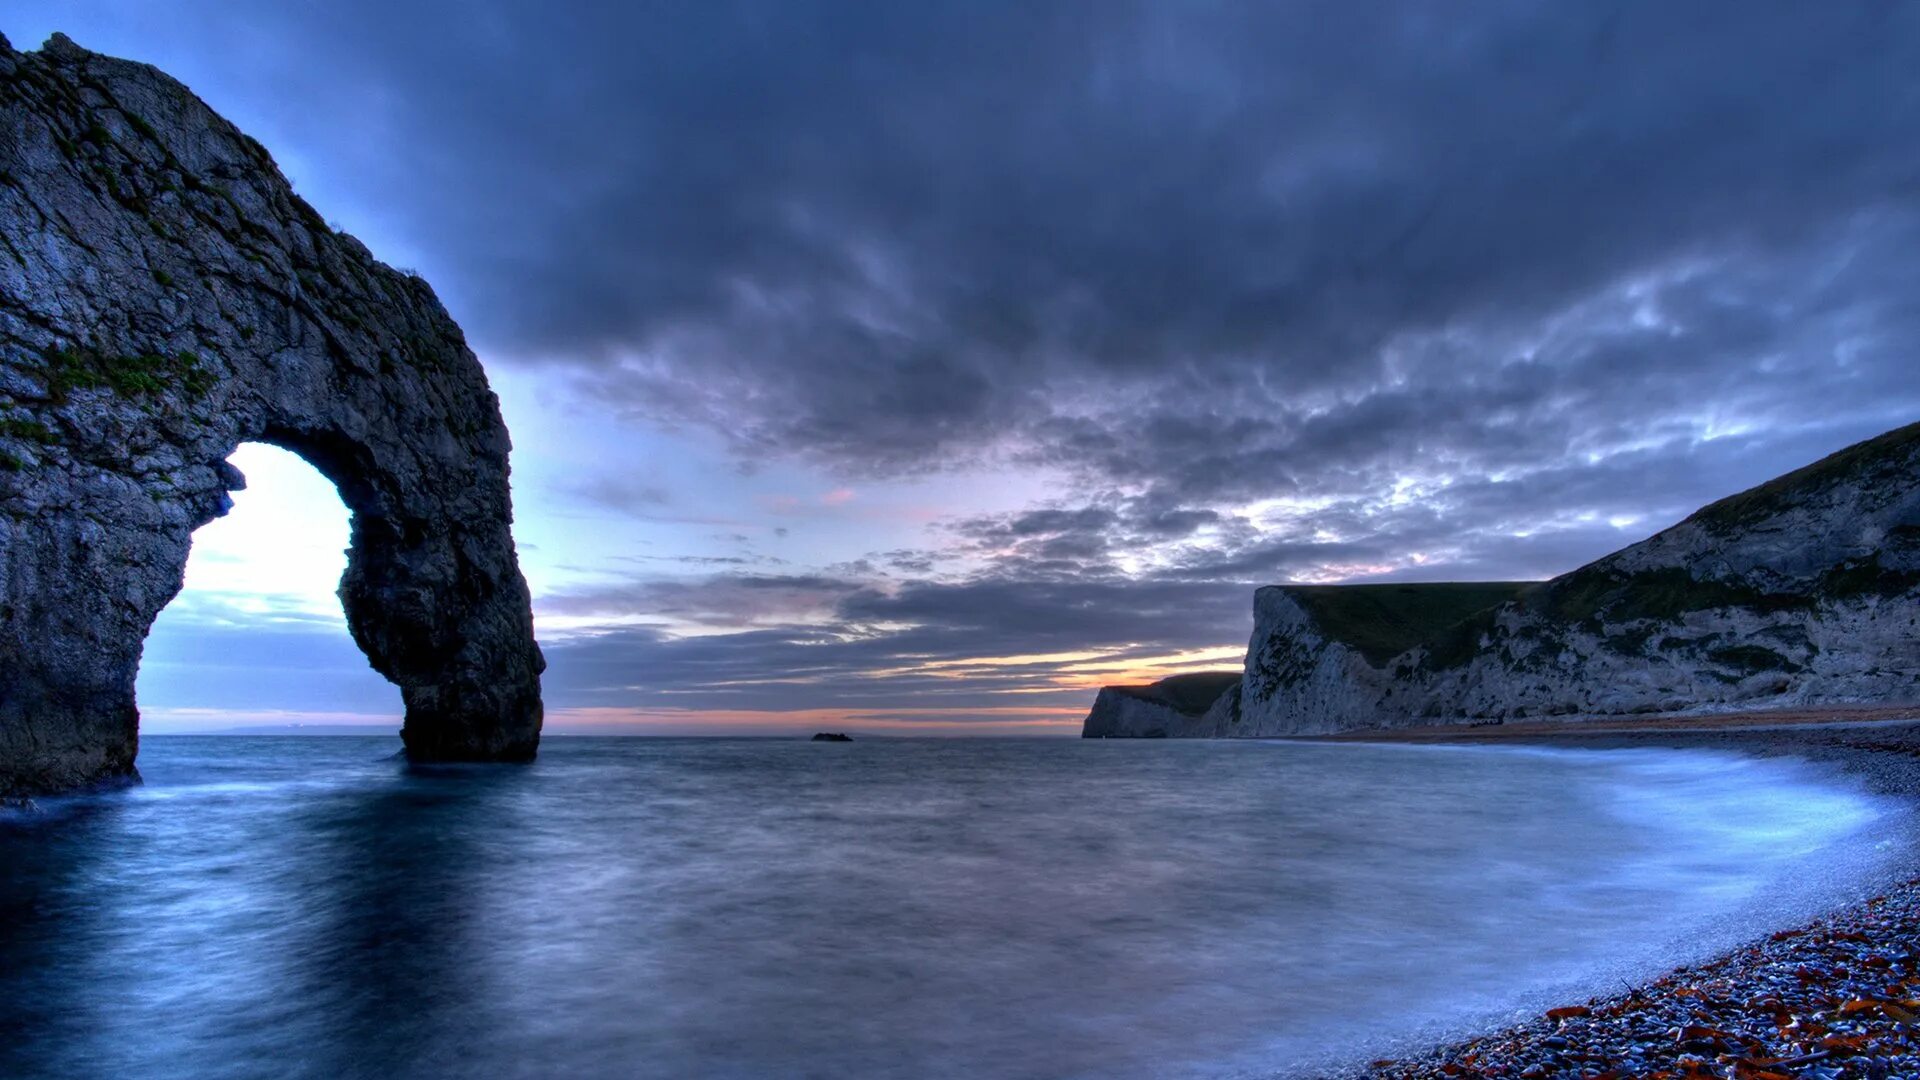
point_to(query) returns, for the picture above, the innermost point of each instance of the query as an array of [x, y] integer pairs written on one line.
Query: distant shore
[[1835, 998]]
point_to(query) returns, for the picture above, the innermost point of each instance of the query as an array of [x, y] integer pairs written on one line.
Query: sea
[[915, 908]]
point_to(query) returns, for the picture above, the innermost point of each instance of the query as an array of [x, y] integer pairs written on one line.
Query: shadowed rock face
[[164, 297], [1157, 710]]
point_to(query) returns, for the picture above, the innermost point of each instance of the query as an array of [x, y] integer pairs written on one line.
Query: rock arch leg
[[74, 612], [452, 644], [432, 592]]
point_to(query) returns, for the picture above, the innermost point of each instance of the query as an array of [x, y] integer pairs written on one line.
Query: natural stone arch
[[165, 296]]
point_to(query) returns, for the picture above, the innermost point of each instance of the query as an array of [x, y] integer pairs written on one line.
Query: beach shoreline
[[1831, 998]]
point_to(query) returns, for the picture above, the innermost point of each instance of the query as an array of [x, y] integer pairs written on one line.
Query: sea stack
[[167, 297]]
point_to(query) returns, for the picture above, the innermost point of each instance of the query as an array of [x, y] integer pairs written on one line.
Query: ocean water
[[887, 908]]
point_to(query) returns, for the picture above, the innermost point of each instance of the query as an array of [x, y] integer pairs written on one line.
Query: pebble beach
[[1834, 999]]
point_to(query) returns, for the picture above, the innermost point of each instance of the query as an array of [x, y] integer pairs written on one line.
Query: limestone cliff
[[164, 297], [1805, 590]]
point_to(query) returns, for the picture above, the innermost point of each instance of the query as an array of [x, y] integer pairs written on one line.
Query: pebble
[[1838, 999]]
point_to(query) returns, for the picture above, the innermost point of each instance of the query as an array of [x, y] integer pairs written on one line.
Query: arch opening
[[257, 639]]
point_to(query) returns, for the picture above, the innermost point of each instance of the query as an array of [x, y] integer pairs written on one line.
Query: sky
[[917, 368]]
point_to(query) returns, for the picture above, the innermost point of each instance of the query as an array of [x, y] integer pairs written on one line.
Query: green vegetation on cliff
[[1191, 694], [1383, 621], [1862, 463], [1598, 592]]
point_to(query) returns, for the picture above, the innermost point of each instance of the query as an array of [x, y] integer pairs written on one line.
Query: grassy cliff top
[[1890, 455], [1191, 694], [1601, 589], [1382, 621]]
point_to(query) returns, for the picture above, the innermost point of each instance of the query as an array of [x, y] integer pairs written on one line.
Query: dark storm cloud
[[1088, 541], [1217, 247]]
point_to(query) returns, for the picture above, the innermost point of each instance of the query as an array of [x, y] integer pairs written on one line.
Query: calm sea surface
[[890, 908]]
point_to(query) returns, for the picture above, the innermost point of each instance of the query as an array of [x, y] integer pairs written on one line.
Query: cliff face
[[1805, 590], [1178, 705], [165, 296]]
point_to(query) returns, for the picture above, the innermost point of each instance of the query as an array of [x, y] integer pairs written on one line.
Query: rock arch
[[165, 296]]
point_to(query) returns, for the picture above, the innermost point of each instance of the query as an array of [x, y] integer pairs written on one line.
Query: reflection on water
[[743, 908]]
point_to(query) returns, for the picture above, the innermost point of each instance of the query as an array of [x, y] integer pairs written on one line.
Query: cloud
[[1309, 290], [624, 495], [958, 647], [730, 600], [251, 668], [1209, 247]]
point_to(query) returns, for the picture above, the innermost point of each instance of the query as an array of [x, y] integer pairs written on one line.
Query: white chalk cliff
[[1802, 591]]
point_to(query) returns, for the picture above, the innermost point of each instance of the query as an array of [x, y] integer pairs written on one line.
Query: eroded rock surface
[[164, 297], [1803, 591]]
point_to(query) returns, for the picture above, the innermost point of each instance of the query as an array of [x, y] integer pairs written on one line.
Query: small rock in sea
[[831, 736]]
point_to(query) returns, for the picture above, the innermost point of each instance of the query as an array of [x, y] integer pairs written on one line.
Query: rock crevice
[[164, 297]]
